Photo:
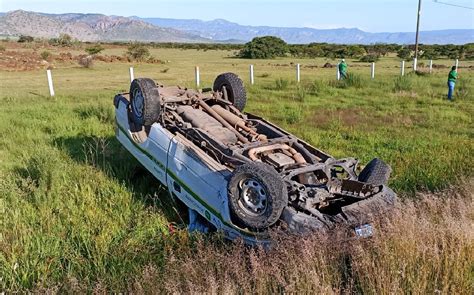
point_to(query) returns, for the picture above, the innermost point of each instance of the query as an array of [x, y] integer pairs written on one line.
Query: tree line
[[268, 47], [271, 47]]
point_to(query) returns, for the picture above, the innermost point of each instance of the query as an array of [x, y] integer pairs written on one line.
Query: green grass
[[76, 206]]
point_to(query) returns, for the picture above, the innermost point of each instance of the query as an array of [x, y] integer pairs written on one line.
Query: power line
[[455, 5]]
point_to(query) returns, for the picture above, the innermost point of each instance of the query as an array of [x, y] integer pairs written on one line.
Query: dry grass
[[426, 247]]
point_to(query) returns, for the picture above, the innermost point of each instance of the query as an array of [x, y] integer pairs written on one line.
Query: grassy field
[[78, 214]]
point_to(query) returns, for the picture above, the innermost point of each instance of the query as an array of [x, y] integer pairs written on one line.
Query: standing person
[[343, 69], [453, 75]]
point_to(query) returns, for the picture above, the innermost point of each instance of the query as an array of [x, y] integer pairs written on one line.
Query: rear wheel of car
[[377, 172], [144, 101], [233, 87], [257, 196]]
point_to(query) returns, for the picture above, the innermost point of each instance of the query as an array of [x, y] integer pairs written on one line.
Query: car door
[[198, 180]]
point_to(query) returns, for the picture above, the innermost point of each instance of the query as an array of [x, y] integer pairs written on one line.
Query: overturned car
[[238, 173]]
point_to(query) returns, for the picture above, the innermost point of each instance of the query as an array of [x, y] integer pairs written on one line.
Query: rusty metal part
[[294, 153], [229, 117], [303, 178], [354, 188], [199, 119], [280, 159], [213, 113], [237, 122]]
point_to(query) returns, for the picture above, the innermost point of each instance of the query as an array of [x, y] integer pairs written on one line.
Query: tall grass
[[464, 88], [281, 84], [426, 246], [352, 80], [403, 83]]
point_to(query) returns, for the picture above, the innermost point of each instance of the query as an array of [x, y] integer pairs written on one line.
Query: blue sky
[[368, 15]]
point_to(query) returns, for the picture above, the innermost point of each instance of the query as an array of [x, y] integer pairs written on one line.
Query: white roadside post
[[132, 75], [252, 81], [414, 64], [402, 68], [431, 65], [50, 82], [338, 74], [457, 64], [372, 71], [298, 76], [198, 80]]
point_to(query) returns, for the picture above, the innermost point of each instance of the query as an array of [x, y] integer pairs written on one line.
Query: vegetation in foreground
[[79, 213]]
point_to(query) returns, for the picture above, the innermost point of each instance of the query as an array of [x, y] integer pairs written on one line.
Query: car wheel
[[257, 196], [377, 172], [144, 101], [234, 88]]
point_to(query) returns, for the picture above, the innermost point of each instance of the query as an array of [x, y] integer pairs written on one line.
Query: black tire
[[270, 189], [234, 88], [377, 172], [144, 101]]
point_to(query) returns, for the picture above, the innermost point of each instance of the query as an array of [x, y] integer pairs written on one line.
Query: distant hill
[[220, 29], [99, 27], [89, 27]]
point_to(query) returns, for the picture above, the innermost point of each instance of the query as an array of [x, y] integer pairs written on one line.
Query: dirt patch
[[111, 58], [21, 61], [435, 66], [359, 117], [348, 117]]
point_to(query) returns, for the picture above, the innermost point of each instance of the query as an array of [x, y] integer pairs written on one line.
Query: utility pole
[[417, 29]]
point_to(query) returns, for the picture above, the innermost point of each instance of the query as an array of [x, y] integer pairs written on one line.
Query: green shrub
[[2, 48], [301, 92], [369, 58], [138, 52], [45, 55], [404, 53], [63, 40], [281, 84], [292, 115], [318, 87], [352, 80], [25, 39], [264, 47], [95, 49], [402, 83]]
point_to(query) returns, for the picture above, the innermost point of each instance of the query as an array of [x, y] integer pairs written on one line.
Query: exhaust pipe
[[299, 159], [222, 121], [237, 122]]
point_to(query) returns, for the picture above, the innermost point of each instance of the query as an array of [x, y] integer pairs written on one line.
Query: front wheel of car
[[257, 196], [377, 172]]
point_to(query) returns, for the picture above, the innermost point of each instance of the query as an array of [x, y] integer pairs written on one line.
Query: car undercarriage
[[275, 176]]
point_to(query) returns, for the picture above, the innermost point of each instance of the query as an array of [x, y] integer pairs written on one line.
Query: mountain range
[[220, 29], [89, 27], [99, 27]]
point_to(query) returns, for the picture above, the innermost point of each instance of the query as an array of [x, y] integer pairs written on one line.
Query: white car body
[[188, 173]]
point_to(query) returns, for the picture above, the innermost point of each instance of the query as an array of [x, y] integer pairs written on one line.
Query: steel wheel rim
[[138, 103], [253, 197]]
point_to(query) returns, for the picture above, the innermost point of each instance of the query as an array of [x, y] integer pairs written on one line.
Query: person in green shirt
[[453, 75], [343, 69]]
